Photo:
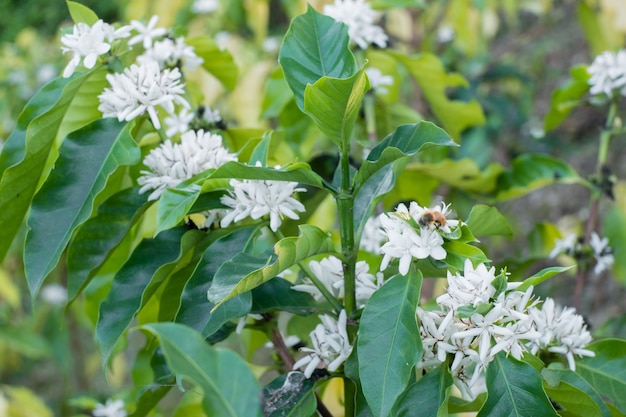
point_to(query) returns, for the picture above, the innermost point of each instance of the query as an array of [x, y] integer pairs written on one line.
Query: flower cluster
[[373, 237], [329, 272], [379, 81], [110, 409], [573, 245], [170, 164], [168, 53], [257, 198], [481, 314], [359, 17], [331, 346], [415, 232], [608, 73]]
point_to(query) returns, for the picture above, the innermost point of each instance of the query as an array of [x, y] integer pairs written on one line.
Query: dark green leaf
[[488, 221], [573, 393], [429, 395], [369, 194], [315, 46], [289, 395], [542, 276], [229, 387], [86, 159], [217, 62], [276, 294], [98, 236], [388, 341], [514, 389]]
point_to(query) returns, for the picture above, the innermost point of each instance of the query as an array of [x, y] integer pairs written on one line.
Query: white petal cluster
[[87, 43], [598, 248], [168, 53], [409, 236], [140, 89], [608, 73], [379, 81], [146, 33], [476, 321], [331, 346], [562, 331], [566, 245], [178, 123], [172, 163], [372, 237], [359, 17], [602, 252], [258, 198], [110, 409], [205, 6], [329, 272]]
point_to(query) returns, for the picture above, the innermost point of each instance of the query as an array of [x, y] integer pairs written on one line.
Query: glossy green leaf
[[98, 236], [567, 97], [277, 295], [429, 395], [174, 205], [514, 390], [289, 395], [454, 115], [81, 13], [606, 372], [87, 158], [194, 310], [148, 398], [573, 393], [542, 276], [334, 105], [529, 172], [261, 151], [488, 221], [369, 194], [458, 252], [287, 252], [151, 257], [20, 179], [406, 140], [217, 62], [229, 387], [297, 172], [315, 46], [389, 343], [351, 369]]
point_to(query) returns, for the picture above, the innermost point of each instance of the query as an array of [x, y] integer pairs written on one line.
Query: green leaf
[[514, 389], [567, 97], [277, 95], [276, 294], [229, 387], [573, 393], [458, 252], [429, 395], [388, 341], [20, 179], [289, 395], [455, 115], [334, 105], [542, 276], [606, 372], [464, 174], [86, 159], [148, 398], [151, 257], [287, 252], [81, 13], [217, 62], [260, 152], [488, 221], [368, 196], [315, 46], [529, 172], [98, 236], [174, 205], [406, 140], [296, 172]]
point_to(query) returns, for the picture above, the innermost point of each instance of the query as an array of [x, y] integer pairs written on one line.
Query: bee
[[433, 218]]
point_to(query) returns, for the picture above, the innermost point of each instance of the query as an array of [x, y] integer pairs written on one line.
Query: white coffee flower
[[170, 164], [602, 252], [86, 43], [146, 33], [403, 242], [110, 409], [168, 53], [211, 115], [470, 289], [257, 198], [54, 294], [140, 89], [566, 245], [205, 6], [331, 345], [372, 237], [608, 73], [359, 17], [178, 123], [379, 81]]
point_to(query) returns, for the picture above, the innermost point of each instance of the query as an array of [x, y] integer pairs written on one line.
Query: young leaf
[[229, 387], [488, 221], [406, 140], [542, 276], [514, 390], [606, 372], [315, 46], [334, 105], [429, 395], [287, 252], [389, 344], [81, 13], [573, 393], [98, 236], [86, 159], [289, 395], [217, 62]]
